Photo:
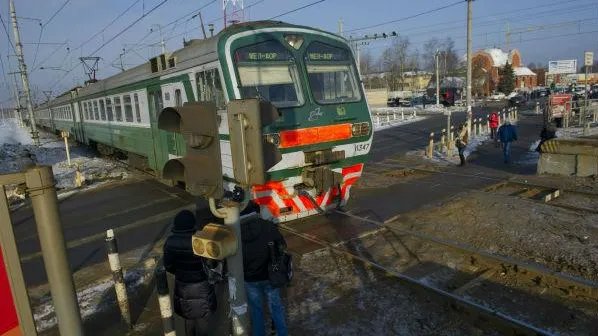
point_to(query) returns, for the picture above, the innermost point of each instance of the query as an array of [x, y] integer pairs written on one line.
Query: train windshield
[[268, 71], [331, 74]]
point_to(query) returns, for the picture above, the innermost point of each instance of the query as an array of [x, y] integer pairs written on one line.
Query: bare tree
[[366, 63], [430, 49], [394, 63]]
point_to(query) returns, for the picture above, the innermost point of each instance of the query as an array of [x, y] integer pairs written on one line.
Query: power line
[[297, 9], [108, 25], [56, 13], [407, 17]]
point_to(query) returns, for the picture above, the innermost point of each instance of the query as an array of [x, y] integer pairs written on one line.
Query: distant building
[[412, 80], [488, 62]]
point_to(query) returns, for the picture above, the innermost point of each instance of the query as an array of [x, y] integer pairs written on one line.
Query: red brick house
[[486, 64]]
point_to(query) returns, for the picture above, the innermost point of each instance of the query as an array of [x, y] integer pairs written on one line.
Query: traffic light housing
[[252, 154], [200, 169], [215, 242]]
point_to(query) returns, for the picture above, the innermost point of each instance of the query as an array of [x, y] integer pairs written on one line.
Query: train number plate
[[362, 147]]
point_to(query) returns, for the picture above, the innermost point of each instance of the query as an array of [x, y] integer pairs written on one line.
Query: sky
[[542, 30]]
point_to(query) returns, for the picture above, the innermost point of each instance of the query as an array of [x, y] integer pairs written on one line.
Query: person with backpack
[[507, 133], [194, 297], [267, 267]]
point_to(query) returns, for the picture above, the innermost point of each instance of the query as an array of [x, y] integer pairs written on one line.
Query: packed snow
[[576, 132], [17, 153]]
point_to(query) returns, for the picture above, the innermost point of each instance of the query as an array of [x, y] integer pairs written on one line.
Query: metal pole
[[40, 187], [236, 282], [468, 93], [23, 68], [437, 80], [585, 90], [203, 29], [65, 136]]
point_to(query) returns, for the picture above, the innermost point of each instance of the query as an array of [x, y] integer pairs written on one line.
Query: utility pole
[[437, 79], [203, 29], [18, 101], [340, 27], [468, 92], [23, 68]]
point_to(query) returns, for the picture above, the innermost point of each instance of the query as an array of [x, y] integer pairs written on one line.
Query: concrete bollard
[[443, 139], [487, 123], [537, 107], [586, 128], [431, 145], [414, 114], [451, 137], [164, 302], [65, 136], [377, 120], [117, 275], [402, 115]]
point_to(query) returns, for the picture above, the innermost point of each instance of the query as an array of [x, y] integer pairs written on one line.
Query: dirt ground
[[564, 240]]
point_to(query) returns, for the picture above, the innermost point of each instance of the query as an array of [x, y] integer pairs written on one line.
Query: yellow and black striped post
[[117, 275]]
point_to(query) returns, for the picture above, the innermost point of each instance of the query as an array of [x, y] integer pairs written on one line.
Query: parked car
[[497, 96], [517, 101], [397, 101]]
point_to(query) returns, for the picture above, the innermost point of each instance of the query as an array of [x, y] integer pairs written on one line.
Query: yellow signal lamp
[[215, 242]]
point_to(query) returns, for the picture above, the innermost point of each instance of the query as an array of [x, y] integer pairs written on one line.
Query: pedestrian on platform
[[548, 132], [461, 142], [260, 237], [507, 133], [194, 297], [493, 123]]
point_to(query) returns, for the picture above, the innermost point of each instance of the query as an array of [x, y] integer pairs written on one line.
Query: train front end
[[324, 131]]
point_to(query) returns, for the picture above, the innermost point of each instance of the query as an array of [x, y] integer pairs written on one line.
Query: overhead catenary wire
[[7, 34], [56, 12], [407, 17], [297, 9]]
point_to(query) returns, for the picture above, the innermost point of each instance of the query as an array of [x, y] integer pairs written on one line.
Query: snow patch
[[90, 299]]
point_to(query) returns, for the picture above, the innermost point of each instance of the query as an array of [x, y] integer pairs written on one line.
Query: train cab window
[[109, 113], [128, 108], [331, 74], [85, 113], [209, 88], [102, 109], [118, 109], [96, 110], [137, 110], [178, 98], [268, 70]]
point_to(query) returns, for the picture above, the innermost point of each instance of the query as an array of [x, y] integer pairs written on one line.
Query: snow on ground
[[575, 132], [17, 153], [452, 156], [382, 122], [417, 109], [93, 299]]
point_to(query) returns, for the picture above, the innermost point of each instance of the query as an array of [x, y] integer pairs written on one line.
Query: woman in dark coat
[[194, 297]]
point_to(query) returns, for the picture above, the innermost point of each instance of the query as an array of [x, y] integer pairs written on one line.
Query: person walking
[[507, 133], [256, 236], [493, 123], [461, 142], [194, 297]]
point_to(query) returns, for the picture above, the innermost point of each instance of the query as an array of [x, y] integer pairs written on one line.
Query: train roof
[[194, 53]]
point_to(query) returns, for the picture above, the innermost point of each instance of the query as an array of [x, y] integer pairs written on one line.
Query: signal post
[[200, 170]]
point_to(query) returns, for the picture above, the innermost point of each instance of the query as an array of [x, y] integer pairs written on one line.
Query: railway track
[[498, 291]]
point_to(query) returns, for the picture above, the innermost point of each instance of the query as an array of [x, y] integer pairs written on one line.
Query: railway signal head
[[253, 152], [200, 169], [215, 241]]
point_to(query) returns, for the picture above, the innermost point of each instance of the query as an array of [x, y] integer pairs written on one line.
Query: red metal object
[[9, 321], [559, 104]]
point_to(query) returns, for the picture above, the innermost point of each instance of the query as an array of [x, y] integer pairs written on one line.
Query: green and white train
[[324, 131]]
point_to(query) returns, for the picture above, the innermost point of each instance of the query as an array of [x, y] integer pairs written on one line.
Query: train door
[[159, 156]]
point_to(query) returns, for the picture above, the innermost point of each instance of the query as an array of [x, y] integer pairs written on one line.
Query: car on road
[[517, 101], [398, 102]]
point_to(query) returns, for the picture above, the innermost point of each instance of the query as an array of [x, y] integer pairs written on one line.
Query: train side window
[[178, 98], [118, 109], [109, 109], [137, 110], [96, 110], [102, 109], [128, 108], [89, 112], [209, 88]]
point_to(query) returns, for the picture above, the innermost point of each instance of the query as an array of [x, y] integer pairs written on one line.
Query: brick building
[[486, 65]]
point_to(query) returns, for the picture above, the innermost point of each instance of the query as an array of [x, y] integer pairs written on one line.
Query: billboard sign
[[560, 104], [562, 67], [588, 58]]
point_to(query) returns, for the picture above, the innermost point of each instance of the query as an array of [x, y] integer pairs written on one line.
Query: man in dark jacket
[[507, 133], [256, 255], [194, 298]]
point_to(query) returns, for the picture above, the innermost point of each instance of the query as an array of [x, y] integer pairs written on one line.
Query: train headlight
[[360, 129], [273, 139], [295, 41]]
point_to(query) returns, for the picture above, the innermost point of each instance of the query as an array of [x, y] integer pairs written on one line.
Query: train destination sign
[[265, 51], [322, 52]]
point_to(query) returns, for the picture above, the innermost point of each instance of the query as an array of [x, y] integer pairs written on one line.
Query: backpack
[[280, 265]]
